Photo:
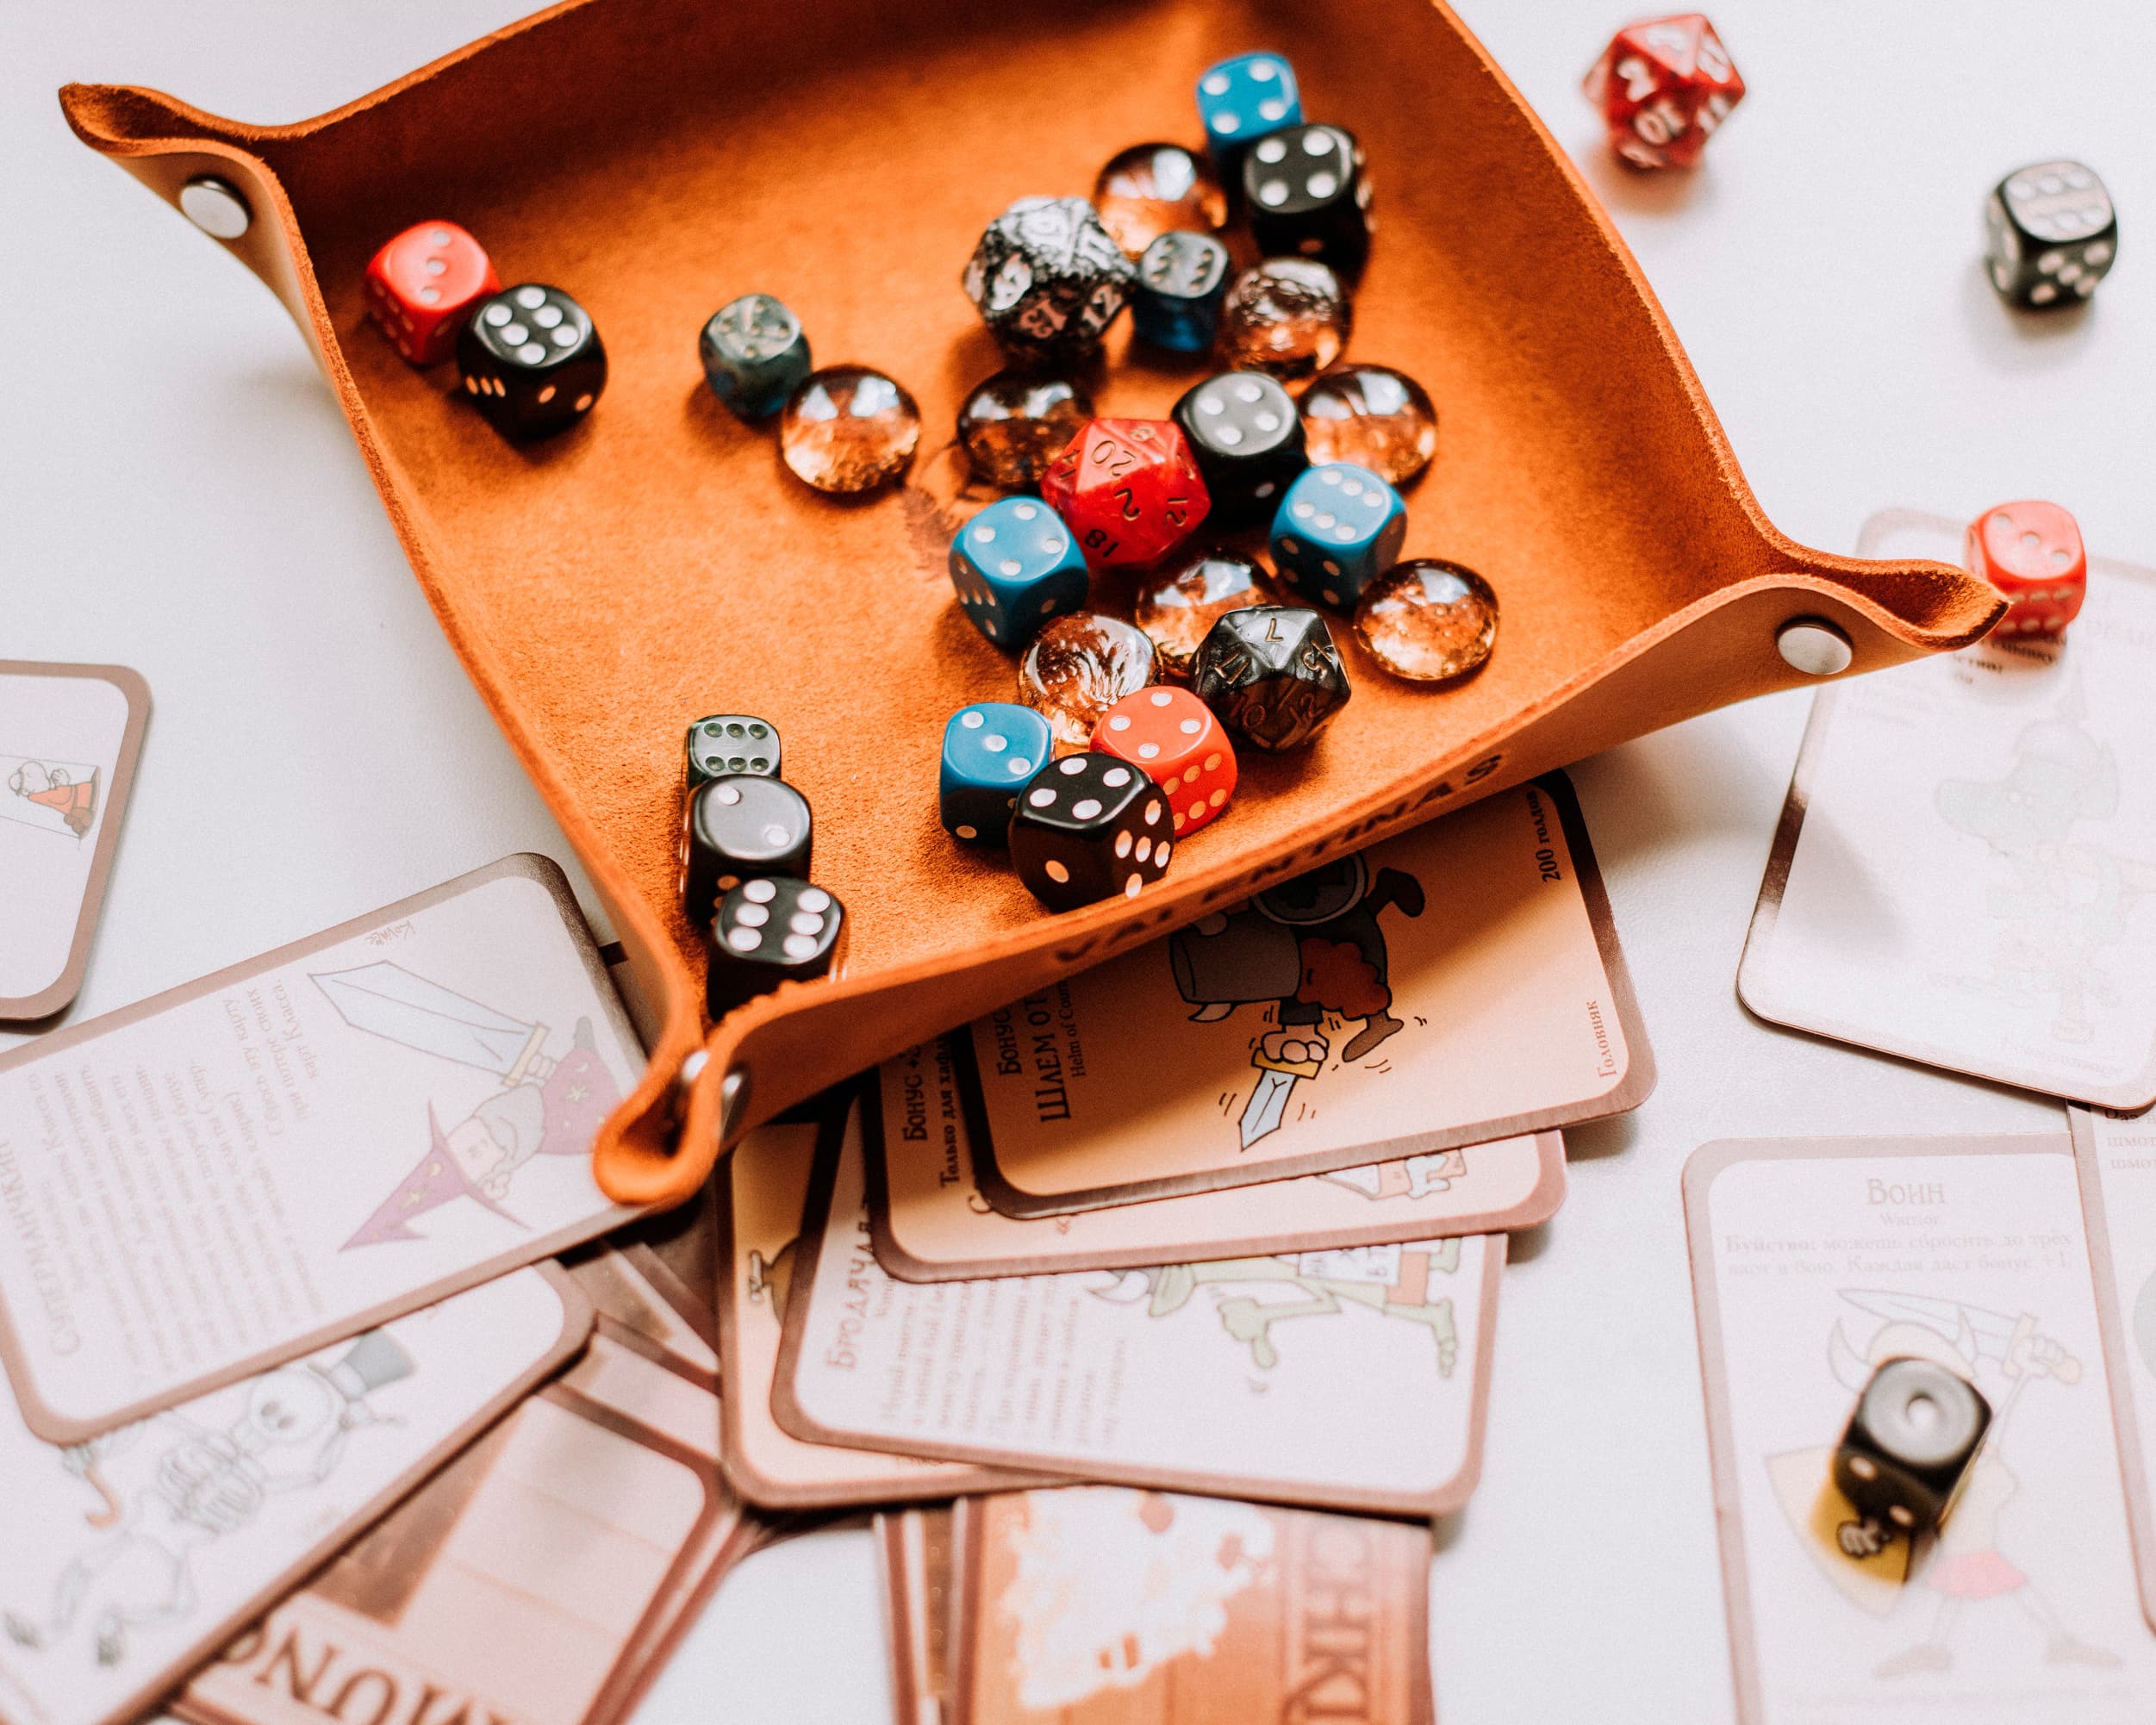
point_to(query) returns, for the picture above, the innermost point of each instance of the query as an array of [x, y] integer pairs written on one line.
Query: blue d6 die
[[1338, 528], [1182, 279], [1241, 99], [990, 750], [754, 352], [1015, 565]]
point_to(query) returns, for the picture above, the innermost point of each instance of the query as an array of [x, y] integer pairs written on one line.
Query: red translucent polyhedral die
[[1662, 87], [1173, 738], [1129, 490], [2032, 552], [422, 283]]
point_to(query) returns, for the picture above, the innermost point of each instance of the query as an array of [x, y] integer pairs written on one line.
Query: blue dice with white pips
[[754, 352], [1338, 528], [1015, 565], [1243, 99], [990, 750], [1182, 279]]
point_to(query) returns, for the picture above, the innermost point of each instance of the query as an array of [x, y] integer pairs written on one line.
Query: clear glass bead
[[847, 429], [1371, 415], [1428, 620], [1077, 667]]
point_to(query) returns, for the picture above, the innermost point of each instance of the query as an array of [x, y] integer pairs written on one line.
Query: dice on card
[[1048, 279], [1089, 826], [770, 930], [1241, 100], [1309, 197], [991, 749], [1015, 565], [736, 828], [1906, 1451], [1662, 87], [2050, 234], [1173, 736], [1248, 440], [423, 283], [730, 742], [754, 352], [2032, 552], [1181, 280], [1273, 675], [1129, 489], [1338, 528], [531, 360]]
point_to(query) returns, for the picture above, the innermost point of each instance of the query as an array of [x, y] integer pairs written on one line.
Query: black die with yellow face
[[1089, 826], [1272, 674], [739, 828], [530, 361], [731, 742], [1909, 1443], [769, 930]]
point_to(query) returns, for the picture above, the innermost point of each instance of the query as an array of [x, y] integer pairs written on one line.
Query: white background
[[178, 493]]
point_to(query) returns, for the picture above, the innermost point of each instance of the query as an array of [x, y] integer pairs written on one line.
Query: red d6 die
[[1173, 738], [1662, 87], [420, 285], [2032, 553], [1129, 489]]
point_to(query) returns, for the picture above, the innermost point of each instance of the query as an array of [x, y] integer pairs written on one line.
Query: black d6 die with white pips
[[1907, 1449], [531, 360], [1089, 826], [1248, 437], [770, 931], [735, 829], [2050, 234], [1310, 196]]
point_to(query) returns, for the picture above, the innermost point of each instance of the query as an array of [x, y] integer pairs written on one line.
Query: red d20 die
[[1129, 490], [2032, 552], [421, 285], [1173, 736], [1662, 87]]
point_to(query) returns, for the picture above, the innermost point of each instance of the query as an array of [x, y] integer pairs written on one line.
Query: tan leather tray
[[655, 158]]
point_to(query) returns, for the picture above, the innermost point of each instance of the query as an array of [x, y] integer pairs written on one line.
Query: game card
[[248, 1168], [1136, 1608], [913, 1551], [928, 1221], [1965, 870], [618, 1283], [126, 1560], [1814, 1261], [1355, 1379], [768, 1178], [69, 736], [2115, 1156], [1458, 984]]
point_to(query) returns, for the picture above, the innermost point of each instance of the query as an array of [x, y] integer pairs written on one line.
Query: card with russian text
[[126, 1559], [915, 1561], [1814, 1261], [249, 1167]]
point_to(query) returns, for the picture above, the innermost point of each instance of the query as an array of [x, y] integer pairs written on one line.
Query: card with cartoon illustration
[[523, 1582], [1457, 984], [1813, 1261], [914, 1559], [1121, 1607], [69, 736], [246, 1169], [1965, 873], [928, 1221], [1355, 1378], [126, 1560], [768, 1178]]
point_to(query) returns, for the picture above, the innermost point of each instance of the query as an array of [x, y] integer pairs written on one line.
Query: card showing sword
[[1268, 1095], [388, 1000]]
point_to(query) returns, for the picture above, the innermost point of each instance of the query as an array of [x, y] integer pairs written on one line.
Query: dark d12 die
[[2050, 234], [1089, 826], [1048, 279], [771, 930], [736, 828], [1915, 1429], [531, 360], [1310, 196], [1247, 437], [1273, 675], [730, 742], [1182, 279]]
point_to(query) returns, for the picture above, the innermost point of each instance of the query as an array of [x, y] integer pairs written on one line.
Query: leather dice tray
[[655, 158]]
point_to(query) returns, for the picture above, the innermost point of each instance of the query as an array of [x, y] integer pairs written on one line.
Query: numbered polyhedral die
[[771, 930], [1048, 279], [1663, 86], [2051, 233], [1907, 1449], [1273, 675], [730, 742]]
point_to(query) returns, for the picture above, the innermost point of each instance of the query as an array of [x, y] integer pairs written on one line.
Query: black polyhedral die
[[1272, 674], [1089, 826], [731, 742], [736, 828], [1048, 279], [1915, 1429], [769, 930], [1248, 437], [531, 360], [1309, 197], [2050, 234]]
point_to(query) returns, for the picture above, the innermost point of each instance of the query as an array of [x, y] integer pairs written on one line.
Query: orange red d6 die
[[1128, 490], [2032, 552], [423, 283], [1173, 737], [1662, 86]]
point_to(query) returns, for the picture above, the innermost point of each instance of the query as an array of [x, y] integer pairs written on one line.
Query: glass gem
[[1150, 189], [1015, 423], [1077, 667], [1181, 601], [1288, 315], [1428, 620], [849, 429], [1373, 416]]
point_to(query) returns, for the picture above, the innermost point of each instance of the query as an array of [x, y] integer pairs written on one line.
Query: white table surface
[[178, 493]]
